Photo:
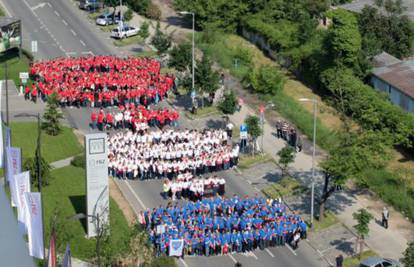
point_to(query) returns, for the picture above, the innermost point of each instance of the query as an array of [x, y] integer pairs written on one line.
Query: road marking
[[38, 6], [294, 252], [64, 22], [183, 262], [88, 53], [57, 13], [232, 258], [135, 195], [73, 32], [82, 42], [68, 54], [257, 189], [269, 252], [250, 253]]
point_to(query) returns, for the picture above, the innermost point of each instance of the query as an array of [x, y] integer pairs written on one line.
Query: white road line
[[57, 13], [48, 4], [7, 11], [73, 32], [64, 22], [257, 189], [252, 254], [232, 258], [183, 262], [294, 252], [269, 252], [82, 42], [135, 195]]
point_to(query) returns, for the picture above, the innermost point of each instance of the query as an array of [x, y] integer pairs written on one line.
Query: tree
[[144, 30], [128, 15], [153, 12], [59, 224], [161, 41], [229, 104], [30, 164], [52, 116], [141, 250], [408, 259], [286, 156], [139, 6], [363, 217], [254, 130], [180, 56], [267, 80], [206, 79]]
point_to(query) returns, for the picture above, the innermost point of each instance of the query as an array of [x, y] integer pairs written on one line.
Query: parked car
[[124, 32], [107, 19], [90, 4], [379, 262]]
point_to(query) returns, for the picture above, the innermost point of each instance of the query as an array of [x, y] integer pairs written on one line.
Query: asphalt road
[[63, 30]]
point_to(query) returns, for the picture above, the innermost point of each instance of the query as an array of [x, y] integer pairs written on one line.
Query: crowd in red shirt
[[100, 81]]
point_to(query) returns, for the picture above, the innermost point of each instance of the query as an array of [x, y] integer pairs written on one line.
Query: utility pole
[[7, 91]]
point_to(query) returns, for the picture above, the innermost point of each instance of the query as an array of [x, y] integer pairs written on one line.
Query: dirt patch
[[80, 137], [122, 203]]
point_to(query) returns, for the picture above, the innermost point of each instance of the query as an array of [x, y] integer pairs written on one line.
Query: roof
[[4, 21], [400, 75], [358, 5], [384, 59]]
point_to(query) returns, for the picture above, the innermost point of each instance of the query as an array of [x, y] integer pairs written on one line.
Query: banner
[[67, 261], [35, 224], [176, 247], [14, 166], [2, 164], [7, 141], [22, 185], [51, 260]]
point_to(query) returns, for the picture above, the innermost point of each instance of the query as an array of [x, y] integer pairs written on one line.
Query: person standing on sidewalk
[[339, 260], [385, 217]]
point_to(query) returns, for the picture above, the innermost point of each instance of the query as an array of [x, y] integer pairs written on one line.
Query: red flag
[[52, 252]]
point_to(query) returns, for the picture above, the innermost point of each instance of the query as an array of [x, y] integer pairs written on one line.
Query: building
[[395, 78], [358, 5]]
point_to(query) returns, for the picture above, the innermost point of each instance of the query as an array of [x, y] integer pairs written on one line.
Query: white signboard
[[24, 75], [97, 190], [34, 46]]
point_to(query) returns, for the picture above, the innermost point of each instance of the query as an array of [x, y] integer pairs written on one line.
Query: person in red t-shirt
[[34, 94], [109, 120], [26, 93], [94, 118], [101, 117]]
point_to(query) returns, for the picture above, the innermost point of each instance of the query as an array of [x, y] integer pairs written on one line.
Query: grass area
[[203, 112], [136, 39], [108, 28], [24, 135], [67, 193], [249, 161], [329, 220], [147, 54], [354, 261], [286, 187], [15, 65]]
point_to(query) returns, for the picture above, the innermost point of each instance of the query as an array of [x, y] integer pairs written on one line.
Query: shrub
[[52, 116], [153, 12], [79, 161], [266, 80], [128, 15], [164, 262], [229, 103], [139, 6], [30, 164], [144, 30]]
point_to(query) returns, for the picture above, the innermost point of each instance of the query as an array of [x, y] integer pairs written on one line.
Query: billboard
[[97, 189], [10, 34]]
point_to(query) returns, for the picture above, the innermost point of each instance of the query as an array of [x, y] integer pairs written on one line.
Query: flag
[[35, 224], [2, 164], [51, 261], [67, 262], [14, 166], [176, 247], [7, 142], [21, 185]]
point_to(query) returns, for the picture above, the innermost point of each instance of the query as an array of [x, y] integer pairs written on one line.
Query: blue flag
[[67, 257]]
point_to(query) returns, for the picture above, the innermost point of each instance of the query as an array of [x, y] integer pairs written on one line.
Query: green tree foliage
[[128, 15], [141, 250], [161, 41], [408, 259], [153, 12], [52, 116], [60, 224], [206, 79], [363, 217], [139, 6], [286, 157], [30, 164], [253, 128], [345, 39], [267, 80], [180, 57], [384, 27], [229, 104], [164, 261], [144, 30]]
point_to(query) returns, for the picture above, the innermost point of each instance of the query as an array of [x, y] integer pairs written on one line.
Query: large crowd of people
[[221, 225], [168, 152], [100, 81]]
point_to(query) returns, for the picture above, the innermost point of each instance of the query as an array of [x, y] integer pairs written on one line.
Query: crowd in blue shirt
[[222, 225]]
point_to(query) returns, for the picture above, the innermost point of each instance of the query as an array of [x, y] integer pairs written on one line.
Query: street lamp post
[[6, 73], [193, 47], [315, 103]]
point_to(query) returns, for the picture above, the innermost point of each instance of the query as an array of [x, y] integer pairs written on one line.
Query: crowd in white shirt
[[185, 185], [169, 152]]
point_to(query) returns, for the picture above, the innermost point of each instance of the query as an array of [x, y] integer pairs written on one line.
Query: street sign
[[24, 75], [34, 46], [24, 81], [243, 131], [193, 94]]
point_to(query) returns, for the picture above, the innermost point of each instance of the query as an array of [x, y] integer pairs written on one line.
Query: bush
[[128, 15], [229, 103], [139, 6], [30, 164], [79, 161], [164, 262], [144, 30], [153, 12], [266, 80]]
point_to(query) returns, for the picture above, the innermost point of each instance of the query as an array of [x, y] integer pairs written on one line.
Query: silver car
[[379, 262], [106, 19]]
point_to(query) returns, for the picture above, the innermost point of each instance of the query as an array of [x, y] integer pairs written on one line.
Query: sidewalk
[[388, 243]]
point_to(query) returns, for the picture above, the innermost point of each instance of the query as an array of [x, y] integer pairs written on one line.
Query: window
[[386, 264], [378, 265]]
